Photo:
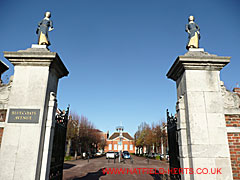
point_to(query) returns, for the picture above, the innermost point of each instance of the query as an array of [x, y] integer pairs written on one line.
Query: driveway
[[101, 168]]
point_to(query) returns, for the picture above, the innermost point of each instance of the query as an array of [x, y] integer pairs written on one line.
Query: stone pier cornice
[[37, 57], [196, 60]]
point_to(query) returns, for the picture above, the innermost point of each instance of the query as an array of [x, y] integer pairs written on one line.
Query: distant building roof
[[116, 134]]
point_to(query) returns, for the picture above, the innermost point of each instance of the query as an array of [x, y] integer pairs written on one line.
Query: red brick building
[[113, 143], [232, 117], [2, 123]]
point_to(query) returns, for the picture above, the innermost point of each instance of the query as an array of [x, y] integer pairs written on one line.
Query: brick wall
[[2, 119], [115, 142], [1, 133], [234, 144], [232, 120], [237, 90], [3, 115]]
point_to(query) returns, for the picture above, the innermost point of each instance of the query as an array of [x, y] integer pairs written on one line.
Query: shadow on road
[[91, 175], [158, 176], [68, 166]]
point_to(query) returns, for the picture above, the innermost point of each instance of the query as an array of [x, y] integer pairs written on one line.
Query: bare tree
[[152, 137], [102, 144], [82, 136], [88, 136], [157, 136], [72, 132]]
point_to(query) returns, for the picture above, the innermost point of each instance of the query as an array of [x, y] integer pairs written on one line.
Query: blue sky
[[119, 51]]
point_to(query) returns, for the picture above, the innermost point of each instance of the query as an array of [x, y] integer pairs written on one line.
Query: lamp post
[[120, 130]]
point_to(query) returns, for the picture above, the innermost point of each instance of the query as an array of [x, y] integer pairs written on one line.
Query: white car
[[98, 154], [110, 155]]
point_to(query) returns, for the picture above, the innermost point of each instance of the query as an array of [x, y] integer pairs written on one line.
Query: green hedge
[[67, 158], [157, 157]]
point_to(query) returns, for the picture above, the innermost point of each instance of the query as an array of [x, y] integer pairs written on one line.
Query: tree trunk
[[75, 156], [68, 147]]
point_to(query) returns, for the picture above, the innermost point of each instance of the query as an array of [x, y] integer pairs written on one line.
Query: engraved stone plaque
[[23, 116]]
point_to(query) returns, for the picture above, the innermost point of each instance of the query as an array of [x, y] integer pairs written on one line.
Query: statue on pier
[[44, 26], [193, 33]]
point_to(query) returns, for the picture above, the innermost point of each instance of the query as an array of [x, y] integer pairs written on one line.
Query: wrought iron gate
[[59, 141], [173, 147]]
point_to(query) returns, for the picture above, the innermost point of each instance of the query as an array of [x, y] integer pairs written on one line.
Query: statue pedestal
[[26, 145], [39, 46], [202, 131], [196, 49]]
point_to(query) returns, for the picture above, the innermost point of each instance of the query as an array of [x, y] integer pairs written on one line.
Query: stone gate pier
[[25, 152], [202, 133]]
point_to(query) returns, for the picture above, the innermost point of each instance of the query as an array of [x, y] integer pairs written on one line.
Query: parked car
[[164, 157], [167, 157], [152, 155], [126, 155], [87, 154], [110, 155], [161, 156], [116, 154], [98, 153]]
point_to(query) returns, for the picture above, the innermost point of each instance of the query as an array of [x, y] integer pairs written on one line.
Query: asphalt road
[[93, 170]]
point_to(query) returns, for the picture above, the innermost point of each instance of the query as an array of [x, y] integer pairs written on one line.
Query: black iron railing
[[59, 141], [173, 152]]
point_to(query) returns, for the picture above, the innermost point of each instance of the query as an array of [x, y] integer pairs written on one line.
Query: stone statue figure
[[44, 26], [193, 33]]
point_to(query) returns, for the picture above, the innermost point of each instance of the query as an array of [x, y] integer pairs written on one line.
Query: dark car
[[126, 155], [152, 155]]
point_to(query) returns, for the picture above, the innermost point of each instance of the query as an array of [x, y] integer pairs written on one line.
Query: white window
[[110, 147], [131, 147], [125, 147], [115, 146]]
